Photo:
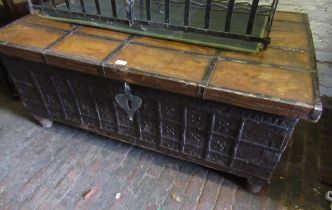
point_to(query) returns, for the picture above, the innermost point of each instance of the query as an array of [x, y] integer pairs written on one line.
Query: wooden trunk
[[198, 104], [240, 141]]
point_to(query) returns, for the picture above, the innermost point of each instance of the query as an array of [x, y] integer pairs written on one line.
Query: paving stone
[[37, 179], [326, 92], [130, 189], [162, 190], [75, 195], [325, 80], [18, 162], [120, 176], [324, 55], [242, 199], [58, 170], [23, 174], [159, 166], [258, 201], [226, 198], [132, 181], [144, 190], [68, 182], [210, 192], [194, 189], [181, 181]]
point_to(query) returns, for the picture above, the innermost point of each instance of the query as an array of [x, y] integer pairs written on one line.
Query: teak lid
[[280, 80]]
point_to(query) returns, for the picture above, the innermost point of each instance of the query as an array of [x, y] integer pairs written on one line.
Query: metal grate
[[246, 21]]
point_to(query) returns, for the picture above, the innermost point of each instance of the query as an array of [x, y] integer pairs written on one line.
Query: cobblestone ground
[[66, 168], [320, 15]]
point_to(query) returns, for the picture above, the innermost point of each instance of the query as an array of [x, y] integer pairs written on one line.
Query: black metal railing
[[249, 21]]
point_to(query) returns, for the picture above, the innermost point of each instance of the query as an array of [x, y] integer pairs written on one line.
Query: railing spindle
[[114, 8], [97, 7], [148, 10], [207, 14], [186, 12], [167, 8], [229, 15], [271, 17], [141, 9], [82, 6], [252, 16], [53, 3], [67, 4]]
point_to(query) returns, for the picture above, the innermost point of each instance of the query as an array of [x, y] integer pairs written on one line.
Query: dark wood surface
[[281, 80], [240, 141], [13, 9]]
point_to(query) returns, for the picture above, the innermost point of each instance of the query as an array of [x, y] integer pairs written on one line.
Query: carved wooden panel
[[237, 140]]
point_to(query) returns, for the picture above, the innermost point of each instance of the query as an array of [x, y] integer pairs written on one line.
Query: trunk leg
[[254, 185], [45, 123]]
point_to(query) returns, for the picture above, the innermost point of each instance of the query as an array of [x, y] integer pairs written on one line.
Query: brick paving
[[67, 168]]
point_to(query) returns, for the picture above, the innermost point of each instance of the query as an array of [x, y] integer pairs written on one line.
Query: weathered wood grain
[[168, 65]]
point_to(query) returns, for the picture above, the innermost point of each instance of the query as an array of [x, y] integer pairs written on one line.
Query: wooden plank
[[104, 33], [283, 39], [27, 36], [179, 67], [174, 45], [294, 59], [289, 16], [36, 20], [89, 48], [20, 52], [80, 52], [134, 76], [163, 62], [272, 82]]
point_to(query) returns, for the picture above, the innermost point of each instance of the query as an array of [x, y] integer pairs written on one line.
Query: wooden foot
[[254, 185], [45, 123]]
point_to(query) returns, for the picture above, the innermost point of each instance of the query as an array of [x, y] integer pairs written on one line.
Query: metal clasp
[[128, 102]]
